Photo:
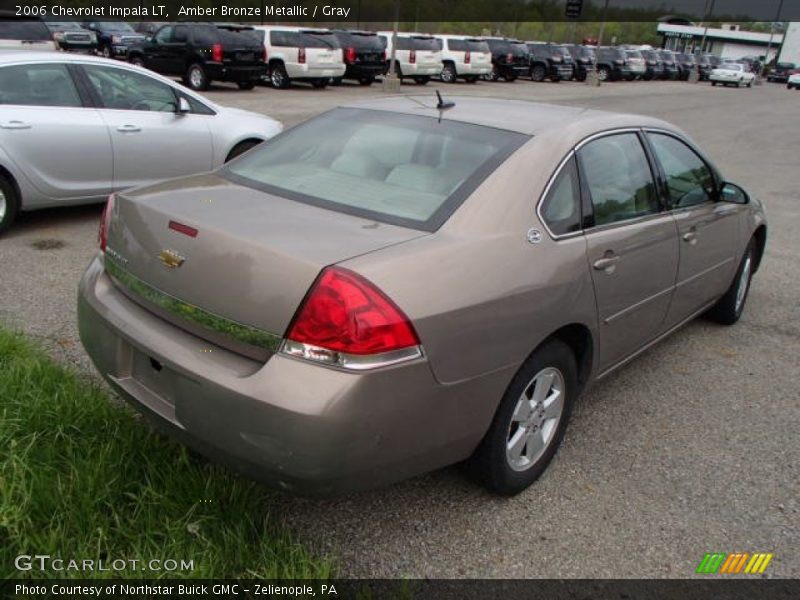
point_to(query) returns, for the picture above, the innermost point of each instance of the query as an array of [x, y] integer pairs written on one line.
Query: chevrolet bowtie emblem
[[171, 259]]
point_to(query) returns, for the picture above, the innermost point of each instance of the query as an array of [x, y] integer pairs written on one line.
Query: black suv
[[202, 53], [364, 55], [550, 61], [781, 72], [686, 63], [704, 67], [114, 38], [509, 59], [671, 68], [583, 57], [612, 64], [653, 65]]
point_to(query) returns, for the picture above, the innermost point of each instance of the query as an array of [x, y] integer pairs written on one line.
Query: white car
[[301, 54], [465, 58], [75, 128], [24, 34], [417, 55], [732, 74], [793, 82]]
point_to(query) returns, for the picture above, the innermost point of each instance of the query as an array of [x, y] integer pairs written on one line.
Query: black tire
[[9, 203], [319, 84], [714, 84], [196, 77], [494, 75], [449, 74], [538, 73], [366, 81], [580, 77], [106, 52], [511, 77], [491, 464], [423, 80], [246, 85], [471, 79], [241, 148], [137, 60], [278, 77], [730, 307], [337, 81], [603, 73]]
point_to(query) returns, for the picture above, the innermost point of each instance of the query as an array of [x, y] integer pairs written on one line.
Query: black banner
[[717, 588], [416, 11]]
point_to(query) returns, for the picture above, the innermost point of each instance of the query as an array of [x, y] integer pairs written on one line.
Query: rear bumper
[[361, 71], [470, 69], [295, 425], [416, 70], [302, 72], [237, 73]]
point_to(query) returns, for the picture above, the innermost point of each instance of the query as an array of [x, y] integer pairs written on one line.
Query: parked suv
[[70, 36], [583, 58], [510, 59], [686, 63], [781, 72], [636, 64], [364, 55], [467, 58], [203, 52], [612, 64], [24, 34], [418, 55], [671, 68], [550, 61], [114, 38], [301, 54], [653, 65], [704, 67]]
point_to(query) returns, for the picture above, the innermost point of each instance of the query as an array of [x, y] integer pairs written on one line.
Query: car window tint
[[619, 178], [386, 166], [561, 207], [180, 34], [164, 35], [122, 89], [38, 85], [689, 180]]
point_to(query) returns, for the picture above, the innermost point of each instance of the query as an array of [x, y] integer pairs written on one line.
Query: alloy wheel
[[602, 74], [196, 78], [535, 419], [276, 77]]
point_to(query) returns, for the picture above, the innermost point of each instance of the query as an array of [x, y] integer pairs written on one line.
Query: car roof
[[530, 118]]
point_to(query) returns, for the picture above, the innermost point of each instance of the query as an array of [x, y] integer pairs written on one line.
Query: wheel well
[[7, 174], [579, 339], [254, 141], [275, 61], [760, 236], [449, 62]]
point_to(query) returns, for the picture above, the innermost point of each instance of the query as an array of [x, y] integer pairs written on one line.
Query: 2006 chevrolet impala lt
[[399, 285]]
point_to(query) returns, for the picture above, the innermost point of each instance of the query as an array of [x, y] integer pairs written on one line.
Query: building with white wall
[[727, 42], [790, 49]]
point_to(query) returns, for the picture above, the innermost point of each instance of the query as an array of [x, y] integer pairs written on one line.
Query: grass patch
[[82, 478]]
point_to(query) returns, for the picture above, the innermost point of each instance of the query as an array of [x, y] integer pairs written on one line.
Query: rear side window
[[205, 36], [619, 179], [38, 85], [180, 34], [403, 169], [561, 207], [19, 29], [478, 46], [689, 179]]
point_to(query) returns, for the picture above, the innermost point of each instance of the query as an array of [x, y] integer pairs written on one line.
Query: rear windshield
[[733, 67], [418, 43], [407, 170], [457, 45], [304, 39], [115, 26], [17, 29], [361, 41], [519, 49]]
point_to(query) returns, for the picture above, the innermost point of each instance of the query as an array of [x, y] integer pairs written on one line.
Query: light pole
[[771, 36], [594, 79], [391, 82]]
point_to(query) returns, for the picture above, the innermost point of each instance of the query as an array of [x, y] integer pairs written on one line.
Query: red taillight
[[105, 223], [509, 57], [346, 313], [412, 56], [466, 57], [216, 53], [301, 55], [264, 54], [350, 55]]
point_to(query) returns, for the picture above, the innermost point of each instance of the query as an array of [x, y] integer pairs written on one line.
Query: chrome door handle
[[15, 125], [607, 264], [690, 236], [129, 128]]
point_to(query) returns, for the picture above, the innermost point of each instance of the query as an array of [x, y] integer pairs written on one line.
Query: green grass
[[81, 477]]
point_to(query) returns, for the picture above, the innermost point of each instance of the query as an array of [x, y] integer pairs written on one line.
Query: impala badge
[[171, 259]]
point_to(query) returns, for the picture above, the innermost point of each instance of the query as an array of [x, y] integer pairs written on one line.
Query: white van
[[301, 54], [418, 55], [468, 58]]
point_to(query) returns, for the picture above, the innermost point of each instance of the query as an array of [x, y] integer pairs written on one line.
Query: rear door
[[39, 104], [149, 140], [708, 230], [632, 248]]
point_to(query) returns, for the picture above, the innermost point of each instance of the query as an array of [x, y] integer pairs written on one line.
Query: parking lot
[[691, 448]]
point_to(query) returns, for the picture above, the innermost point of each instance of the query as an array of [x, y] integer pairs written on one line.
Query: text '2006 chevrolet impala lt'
[[400, 285]]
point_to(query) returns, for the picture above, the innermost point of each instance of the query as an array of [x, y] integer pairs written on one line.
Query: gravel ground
[[691, 448]]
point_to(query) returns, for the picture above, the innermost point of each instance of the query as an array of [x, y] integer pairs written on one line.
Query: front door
[[632, 248]]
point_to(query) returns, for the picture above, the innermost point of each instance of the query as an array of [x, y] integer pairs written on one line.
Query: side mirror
[[148, 39], [183, 106], [730, 192]]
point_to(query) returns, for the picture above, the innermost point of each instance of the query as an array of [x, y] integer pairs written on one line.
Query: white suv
[[467, 58], [24, 34], [418, 55], [301, 54]]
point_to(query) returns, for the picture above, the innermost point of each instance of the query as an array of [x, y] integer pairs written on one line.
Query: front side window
[[164, 35], [122, 89], [619, 179], [689, 180], [180, 34], [38, 85], [404, 169], [561, 207]]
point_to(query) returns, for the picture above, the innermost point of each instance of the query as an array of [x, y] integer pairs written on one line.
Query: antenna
[[443, 104]]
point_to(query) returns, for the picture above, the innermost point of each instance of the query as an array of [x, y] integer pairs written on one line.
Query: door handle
[[15, 125], [607, 264], [690, 236], [129, 128]]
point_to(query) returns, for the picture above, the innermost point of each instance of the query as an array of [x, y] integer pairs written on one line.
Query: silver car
[[74, 129], [396, 286]]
